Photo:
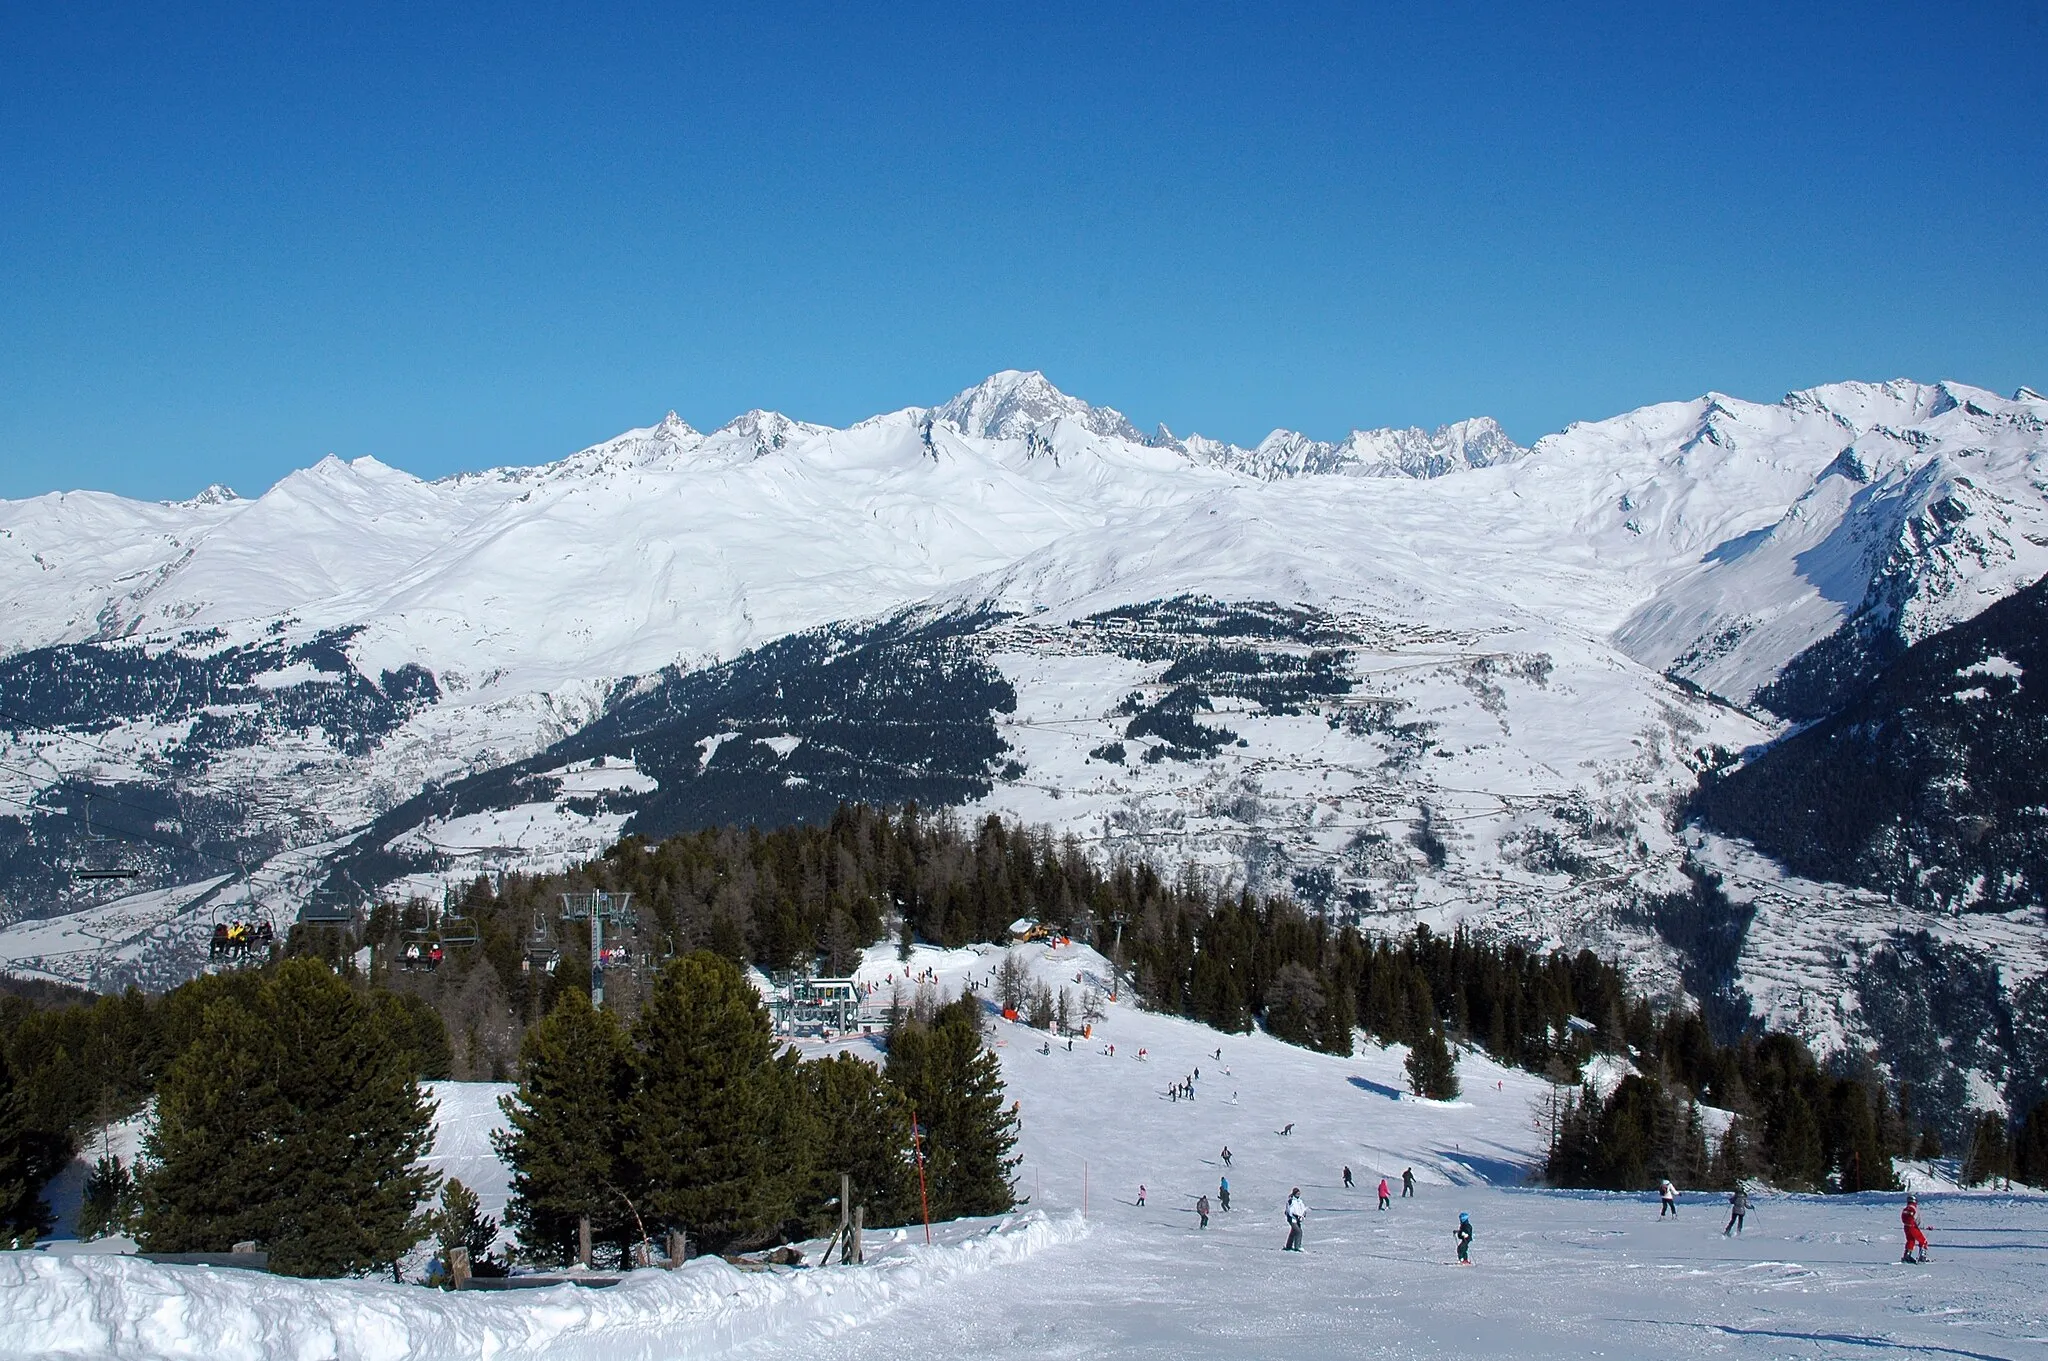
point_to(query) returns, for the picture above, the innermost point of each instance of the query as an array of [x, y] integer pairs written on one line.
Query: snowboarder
[[1915, 1236], [1347, 1178], [1297, 1210], [1226, 1155], [1202, 1209], [1738, 1208], [1407, 1182], [1223, 1193], [1668, 1194], [1141, 1195], [1386, 1194], [1463, 1234]]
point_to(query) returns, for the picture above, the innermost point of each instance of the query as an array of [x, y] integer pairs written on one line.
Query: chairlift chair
[[459, 931], [101, 861]]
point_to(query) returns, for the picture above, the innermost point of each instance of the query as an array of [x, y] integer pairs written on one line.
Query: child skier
[[1668, 1194], [1464, 1237], [1386, 1194], [1915, 1236], [1297, 1210]]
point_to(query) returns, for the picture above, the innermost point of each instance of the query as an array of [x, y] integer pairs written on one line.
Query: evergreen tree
[[295, 1122], [1627, 1146], [1294, 1005], [717, 1131], [566, 1124], [1735, 1157], [1432, 1068], [955, 1086], [462, 1223], [1794, 1149], [109, 1199], [1990, 1156], [2030, 1148], [863, 1132], [23, 1215]]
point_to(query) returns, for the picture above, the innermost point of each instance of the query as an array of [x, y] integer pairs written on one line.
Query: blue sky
[[237, 238]]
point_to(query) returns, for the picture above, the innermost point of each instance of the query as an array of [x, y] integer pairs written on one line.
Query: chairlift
[[540, 951], [101, 860], [236, 941]]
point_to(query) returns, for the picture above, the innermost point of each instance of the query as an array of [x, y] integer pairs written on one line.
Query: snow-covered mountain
[[1404, 674]]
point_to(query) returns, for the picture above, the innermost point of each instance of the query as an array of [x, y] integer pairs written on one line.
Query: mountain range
[[1407, 676]]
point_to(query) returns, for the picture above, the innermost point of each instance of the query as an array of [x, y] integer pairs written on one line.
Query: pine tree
[[863, 1132], [566, 1123], [1627, 1148], [23, 1215], [1990, 1155], [295, 1122], [109, 1199], [1432, 1068], [717, 1131], [1735, 1157], [2030, 1148], [462, 1223], [955, 1086]]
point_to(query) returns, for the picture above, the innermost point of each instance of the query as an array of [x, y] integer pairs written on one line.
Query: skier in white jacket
[[1297, 1210]]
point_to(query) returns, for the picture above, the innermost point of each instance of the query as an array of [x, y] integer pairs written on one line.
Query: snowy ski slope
[[1556, 1274]]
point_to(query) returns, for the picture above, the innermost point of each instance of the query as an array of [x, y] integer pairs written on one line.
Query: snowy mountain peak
[[759, 433], [2023, 393], [1014, 403], [215, 494], [1478, 442]]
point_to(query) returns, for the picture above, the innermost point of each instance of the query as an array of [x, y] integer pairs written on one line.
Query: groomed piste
[[1081, 1270]]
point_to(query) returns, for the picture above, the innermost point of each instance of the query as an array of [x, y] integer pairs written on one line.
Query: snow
[[2005, 668], [1557, 1274], [1711, 538]]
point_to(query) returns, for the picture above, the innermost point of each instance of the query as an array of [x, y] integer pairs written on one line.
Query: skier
[[1668, 1194], [1223, 1193], [1464, 1236], [1202, 1209], [1738, 1207], [1407, 1182], [1347, 1178], [1915, 1236], [1141, 1194], [1386, 1194], [1288, 1128], [1297, 1210], [1226, 1155]]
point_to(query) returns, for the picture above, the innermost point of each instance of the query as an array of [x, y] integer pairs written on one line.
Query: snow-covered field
[[1083, 1271]]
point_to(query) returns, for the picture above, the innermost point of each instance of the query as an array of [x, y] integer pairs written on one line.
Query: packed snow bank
[[121, 1307]]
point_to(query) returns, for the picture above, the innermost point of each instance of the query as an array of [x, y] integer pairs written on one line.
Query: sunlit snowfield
[[1556, 1273]]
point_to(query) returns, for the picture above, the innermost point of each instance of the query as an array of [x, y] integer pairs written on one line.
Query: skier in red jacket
[[1915, 1238]]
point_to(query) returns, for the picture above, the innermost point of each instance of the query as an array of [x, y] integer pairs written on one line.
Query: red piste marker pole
[[923, 1199]]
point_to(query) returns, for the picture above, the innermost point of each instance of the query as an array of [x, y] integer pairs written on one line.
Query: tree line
[[815, 894], [289, 1112], [692, 1118]]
